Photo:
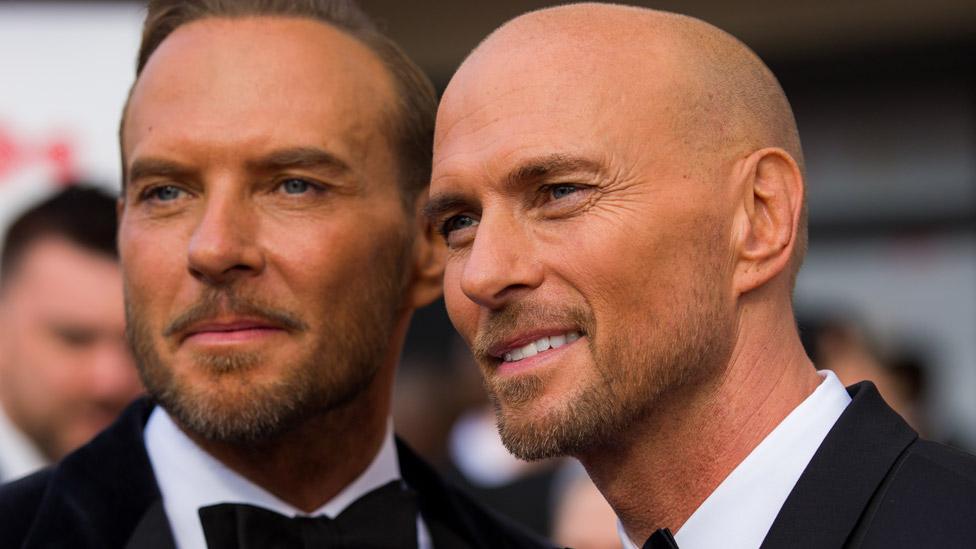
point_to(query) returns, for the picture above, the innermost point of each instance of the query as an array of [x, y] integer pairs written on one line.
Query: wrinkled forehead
[[557, 93]]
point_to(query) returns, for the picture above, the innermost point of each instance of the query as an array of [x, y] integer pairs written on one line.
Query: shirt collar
[[190, 478], [18, 454], [739, 513]]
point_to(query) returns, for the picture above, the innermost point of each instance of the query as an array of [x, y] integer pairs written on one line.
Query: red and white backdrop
[[65, 70]]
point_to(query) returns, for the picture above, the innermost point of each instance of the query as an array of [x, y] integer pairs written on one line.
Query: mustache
[[523, 316], [214, 303]]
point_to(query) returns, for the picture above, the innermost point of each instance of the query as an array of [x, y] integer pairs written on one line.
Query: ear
[[429, 257], [768, 227]]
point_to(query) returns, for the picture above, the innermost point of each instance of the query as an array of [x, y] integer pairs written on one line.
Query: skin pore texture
[[270, 265], [633, 178]]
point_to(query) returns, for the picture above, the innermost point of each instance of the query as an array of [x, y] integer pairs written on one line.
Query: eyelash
[[549, 189], [311, 186], [544, 191], [444, 227], [150, 193]]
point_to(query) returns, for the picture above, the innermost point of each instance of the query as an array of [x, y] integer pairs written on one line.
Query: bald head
[[620, 177], [651, 70]]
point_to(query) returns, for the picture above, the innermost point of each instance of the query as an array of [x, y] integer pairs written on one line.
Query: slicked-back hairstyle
[[80, 214], [412, 131]]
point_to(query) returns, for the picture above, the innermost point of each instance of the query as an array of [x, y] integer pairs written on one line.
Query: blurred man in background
[[622, 193], [65, 370]]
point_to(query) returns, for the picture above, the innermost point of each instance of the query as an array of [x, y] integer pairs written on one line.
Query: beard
[[336, 365], [632, 369]]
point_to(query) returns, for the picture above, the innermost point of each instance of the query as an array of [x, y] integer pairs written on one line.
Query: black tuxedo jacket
[[874, 484], [105, 496]]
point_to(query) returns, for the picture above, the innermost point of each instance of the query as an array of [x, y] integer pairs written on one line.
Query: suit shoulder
[[955, 462], [927, 500], [19, 503]]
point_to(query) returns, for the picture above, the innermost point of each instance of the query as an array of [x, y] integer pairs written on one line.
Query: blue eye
[[295, 186], [165, 193], [457, 223], [562, 191]]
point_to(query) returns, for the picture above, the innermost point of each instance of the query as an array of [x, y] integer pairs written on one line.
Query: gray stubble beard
[[631, 380], [339, 369]]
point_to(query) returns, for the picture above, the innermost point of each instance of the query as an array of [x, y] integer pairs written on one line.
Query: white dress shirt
[[740, 512], [189, 478], [18, 454]]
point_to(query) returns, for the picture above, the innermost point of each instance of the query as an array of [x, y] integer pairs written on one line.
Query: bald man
[[621, 192]]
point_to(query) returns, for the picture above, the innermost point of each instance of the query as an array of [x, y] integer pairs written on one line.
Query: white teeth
[[540, 345]]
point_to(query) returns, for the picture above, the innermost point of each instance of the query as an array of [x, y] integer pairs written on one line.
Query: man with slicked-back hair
[[275, 156], [621, 191]]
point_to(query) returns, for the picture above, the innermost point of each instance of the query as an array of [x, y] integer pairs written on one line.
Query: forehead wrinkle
[[720, 96]]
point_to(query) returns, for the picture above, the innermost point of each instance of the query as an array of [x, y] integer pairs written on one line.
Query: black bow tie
[[385, 518], [662, 539]]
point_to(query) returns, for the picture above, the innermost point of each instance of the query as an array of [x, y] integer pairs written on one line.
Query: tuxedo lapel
[[834, 490], [454, 520], [100, 495], [449, 527]]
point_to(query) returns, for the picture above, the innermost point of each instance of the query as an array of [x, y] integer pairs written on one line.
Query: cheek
[[462, 311], [152, 262]]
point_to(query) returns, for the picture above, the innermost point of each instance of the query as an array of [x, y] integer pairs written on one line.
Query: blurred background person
[[844, 345], [65, 370], [581, 516]]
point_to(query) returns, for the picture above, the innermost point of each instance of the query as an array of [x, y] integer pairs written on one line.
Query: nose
[[502, 263], [223, 246]]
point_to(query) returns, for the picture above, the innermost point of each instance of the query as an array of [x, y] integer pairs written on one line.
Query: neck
[[667, 465]]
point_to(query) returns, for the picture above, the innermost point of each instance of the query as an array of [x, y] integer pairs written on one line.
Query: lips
[[229, 330]]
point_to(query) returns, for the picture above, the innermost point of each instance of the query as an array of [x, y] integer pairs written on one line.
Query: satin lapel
[[99, 495], [152, 531], [449, 527], [837, 485]]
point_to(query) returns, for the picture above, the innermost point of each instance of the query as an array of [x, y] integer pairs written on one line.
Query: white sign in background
[[65, 70]]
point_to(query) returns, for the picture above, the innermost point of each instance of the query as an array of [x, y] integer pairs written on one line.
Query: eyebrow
[[291, 158], [300, 158], [443, 203], [158, 167], [551, 166], [529, 171]]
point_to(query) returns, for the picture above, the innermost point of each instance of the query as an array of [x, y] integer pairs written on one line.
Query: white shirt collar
[[190, 478], [739, 513], [18, 454]]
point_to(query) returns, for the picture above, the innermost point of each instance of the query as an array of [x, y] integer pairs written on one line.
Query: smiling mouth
[[540, 345]]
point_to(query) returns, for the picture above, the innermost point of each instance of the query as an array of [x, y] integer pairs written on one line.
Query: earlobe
[[772, 203], [429, 257]]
